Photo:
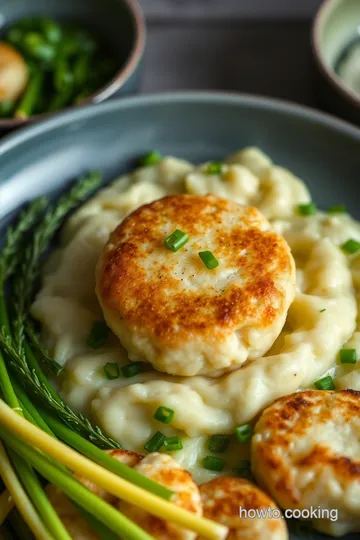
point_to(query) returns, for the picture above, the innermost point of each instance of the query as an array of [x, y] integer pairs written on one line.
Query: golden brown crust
[[173, 316], [163, 469], [292, 418], [223, 497], [126, 457]]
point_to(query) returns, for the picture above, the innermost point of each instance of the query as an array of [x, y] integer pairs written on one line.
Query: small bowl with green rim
[[336, 51]]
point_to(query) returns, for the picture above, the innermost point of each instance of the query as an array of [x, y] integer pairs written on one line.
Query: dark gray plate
[[323, 151]]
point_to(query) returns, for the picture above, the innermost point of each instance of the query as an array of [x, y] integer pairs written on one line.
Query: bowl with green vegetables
[[55, 55]]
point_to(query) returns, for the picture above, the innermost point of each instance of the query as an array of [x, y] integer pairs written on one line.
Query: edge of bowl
[[81, 113], [103, 93], [329, 74]]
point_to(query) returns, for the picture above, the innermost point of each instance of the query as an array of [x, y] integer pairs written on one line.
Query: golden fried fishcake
[[170, 310], [124, 456], [306, 453], [225, 498], [163, 469]]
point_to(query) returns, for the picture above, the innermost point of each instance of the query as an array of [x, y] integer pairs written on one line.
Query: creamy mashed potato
[[321, 319]]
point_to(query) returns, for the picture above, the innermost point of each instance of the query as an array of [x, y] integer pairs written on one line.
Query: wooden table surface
[[256, 46]]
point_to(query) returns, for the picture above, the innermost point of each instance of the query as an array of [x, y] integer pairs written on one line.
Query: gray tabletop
[[256, 46]]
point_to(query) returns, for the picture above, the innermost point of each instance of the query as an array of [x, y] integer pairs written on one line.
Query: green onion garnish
[[351, 246], [152, 158], [243, 469], [215, 167], [112, 370], [307, 209], [213, 463], [164, 415], [218, 443], [172, 443], [336, 209], [132, 369], [326, 383], [244, 433], [348, 356], [156, 442], [208, 259], [322, 310], [176, 240], [98, 335]]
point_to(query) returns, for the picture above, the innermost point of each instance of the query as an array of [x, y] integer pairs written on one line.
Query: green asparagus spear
[[32, 94]]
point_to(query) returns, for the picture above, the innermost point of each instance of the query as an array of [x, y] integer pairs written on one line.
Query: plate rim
[[212, 97]]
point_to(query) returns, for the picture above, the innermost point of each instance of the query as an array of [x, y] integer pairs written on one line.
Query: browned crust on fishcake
[[157, 305], [222, 498], [126, 457], [166, 473], [294, 415]]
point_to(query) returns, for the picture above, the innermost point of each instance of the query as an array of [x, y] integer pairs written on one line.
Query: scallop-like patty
[[244, 508], [169, 309], [306, 454], [126, 458], [163, 469]]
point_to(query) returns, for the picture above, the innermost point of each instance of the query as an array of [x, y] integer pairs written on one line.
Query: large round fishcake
[[244, 508], [306, 454], [170, 310]]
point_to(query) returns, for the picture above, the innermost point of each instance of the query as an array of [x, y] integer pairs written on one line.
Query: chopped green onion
[[348, 356], [112, 370], [132, 369], [176, 240], [213, 463], [336, 209], [326, 383], [164, 415], [351, 246], [218, 443], [172, 443], [307, 209], [322, 310], [156, 442], [208, 259], [244, 433], [243, 469], [215, 167], [152, 158], [98, 335]]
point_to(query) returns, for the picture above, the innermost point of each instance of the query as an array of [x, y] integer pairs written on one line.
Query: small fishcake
[[126, 458], [227, 500], [163, 469], [306, 454], [170, 310]]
